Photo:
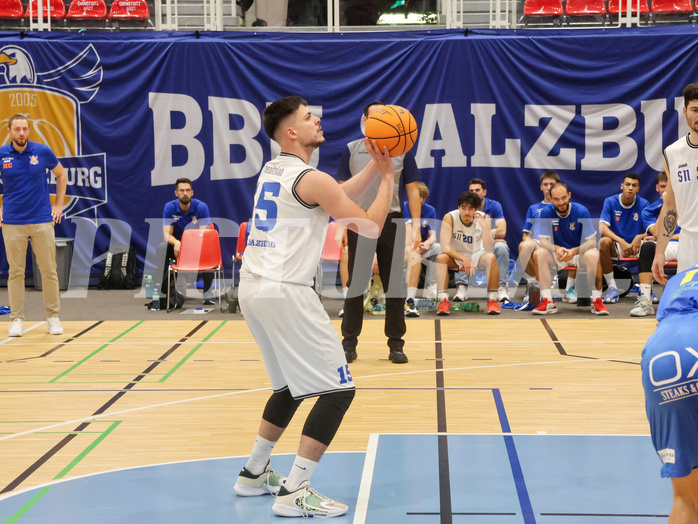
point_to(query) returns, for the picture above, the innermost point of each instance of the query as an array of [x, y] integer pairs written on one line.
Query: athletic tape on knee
[[280, 408], [324, 419]]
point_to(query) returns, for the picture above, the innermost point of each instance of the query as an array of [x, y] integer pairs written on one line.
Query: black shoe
[[208, 302], [350, 355], [397, 356]]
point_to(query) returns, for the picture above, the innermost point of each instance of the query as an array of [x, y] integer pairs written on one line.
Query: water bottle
[[148, 283], [156, 299]]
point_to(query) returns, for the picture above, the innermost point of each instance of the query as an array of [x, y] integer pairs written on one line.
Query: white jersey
[[286, 234], [467, 240], [682, 159]]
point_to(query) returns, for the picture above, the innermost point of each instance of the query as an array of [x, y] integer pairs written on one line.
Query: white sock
[[610, 280], [443, 295], [646, 290], [412, 292], [261, 451], [547, 293], [531, 280], [595, 293], [301, 471], [345, 290], [570, 283], [492, 295]]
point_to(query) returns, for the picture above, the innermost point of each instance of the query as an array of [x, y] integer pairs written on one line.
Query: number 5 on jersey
[[265, 210]]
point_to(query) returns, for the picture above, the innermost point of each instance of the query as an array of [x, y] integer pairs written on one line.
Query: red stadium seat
[[132, 9], [87, 9], [543, 8], [585, 8], [11, 9], [614, 6], [671, 6], [57, 9]]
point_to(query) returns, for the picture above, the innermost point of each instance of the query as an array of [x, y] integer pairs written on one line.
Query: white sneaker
[[411, 308], [249, 485], [503, 295], [461, 294], [306, 502], [16, 328], [643, 307], [54, 326]]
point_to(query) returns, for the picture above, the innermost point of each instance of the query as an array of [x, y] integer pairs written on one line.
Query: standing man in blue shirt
[[567, 238], [621, 230], [671, 387], [27, 213], [177, 215]]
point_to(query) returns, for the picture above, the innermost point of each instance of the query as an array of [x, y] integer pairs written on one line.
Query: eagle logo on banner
[[51, 101]]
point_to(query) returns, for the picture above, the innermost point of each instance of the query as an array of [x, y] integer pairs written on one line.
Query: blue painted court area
[[420, 479]]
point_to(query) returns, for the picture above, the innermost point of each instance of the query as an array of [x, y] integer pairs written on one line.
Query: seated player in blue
[[670, 381], [567, 238], [426, 252], [643, 305], [621, 230], [492, 209], [529, 239], [178, 214]]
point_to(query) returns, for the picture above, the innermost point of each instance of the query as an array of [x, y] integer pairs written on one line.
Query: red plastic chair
[[133, 9], [200, 251], [57, 9], [585, 8], [543, 8], [331, 252], [87, 9], [241, 244], [671, 6], [11, 9], [614, 6]]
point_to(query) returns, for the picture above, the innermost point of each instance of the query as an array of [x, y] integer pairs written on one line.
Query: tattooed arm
[[666, 223]]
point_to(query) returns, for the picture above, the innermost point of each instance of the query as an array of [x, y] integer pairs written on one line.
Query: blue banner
[[130, 113]]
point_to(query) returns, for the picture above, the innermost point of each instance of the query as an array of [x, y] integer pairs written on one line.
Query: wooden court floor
[[109, 395]]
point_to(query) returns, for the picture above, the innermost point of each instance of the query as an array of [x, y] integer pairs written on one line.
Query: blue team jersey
[[669, 376], [624, 221], [24, 175], [173, 215], [532, 215], [493, 209], [568, 232], [651, 213], [428, 220]]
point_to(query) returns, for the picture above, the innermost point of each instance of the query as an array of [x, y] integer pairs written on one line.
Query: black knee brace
[[646, 257], [324, 419], [280, 408]]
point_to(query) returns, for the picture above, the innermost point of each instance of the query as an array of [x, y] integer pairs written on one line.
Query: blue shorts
[[670, 380]]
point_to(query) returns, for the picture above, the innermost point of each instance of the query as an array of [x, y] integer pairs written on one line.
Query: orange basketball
[[393, 127]]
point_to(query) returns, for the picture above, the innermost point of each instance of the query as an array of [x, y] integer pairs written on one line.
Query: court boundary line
[[366, 482]]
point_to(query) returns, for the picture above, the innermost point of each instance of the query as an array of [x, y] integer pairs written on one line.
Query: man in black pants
[[361, 250]]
